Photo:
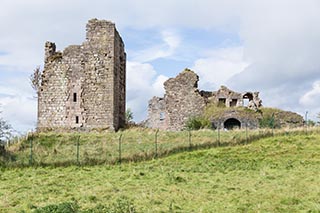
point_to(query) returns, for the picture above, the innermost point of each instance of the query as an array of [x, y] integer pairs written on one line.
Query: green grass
[[279, 174], [62, 149]]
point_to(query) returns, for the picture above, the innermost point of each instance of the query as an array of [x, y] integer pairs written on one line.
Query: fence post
[[189, 138], [306, 121], [31, 157], [247, 132], [120, 148], [78, 150], [218, 134], [272, 124], [156, 143]]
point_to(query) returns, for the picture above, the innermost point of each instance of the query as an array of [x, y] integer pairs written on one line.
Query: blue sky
[[269, 46]]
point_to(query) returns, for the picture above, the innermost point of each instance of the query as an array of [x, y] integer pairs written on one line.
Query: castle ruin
[[84, 86], [183, 100]]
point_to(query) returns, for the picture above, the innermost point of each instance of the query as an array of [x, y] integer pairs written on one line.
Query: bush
[[196, 123], [268, 122]]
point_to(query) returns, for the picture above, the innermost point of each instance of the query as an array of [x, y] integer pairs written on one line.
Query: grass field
[[61, 149], [276, 174]]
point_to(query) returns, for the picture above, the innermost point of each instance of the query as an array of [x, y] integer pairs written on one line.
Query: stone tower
[[83, 87]]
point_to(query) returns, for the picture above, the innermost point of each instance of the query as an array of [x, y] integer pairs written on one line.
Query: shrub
[[268, 122], [196, 123]]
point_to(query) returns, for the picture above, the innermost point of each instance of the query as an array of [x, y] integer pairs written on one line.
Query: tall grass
[[275, 174], [63, 149]]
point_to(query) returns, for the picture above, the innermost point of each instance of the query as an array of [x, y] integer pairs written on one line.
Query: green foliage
[[5, 130], [311, 123], [281, 117], [129, 115], [196, 123], [213, 111], [267, 122], [70, 207]]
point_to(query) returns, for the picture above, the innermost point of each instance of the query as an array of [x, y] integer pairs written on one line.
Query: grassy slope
[[61, 149], [278, 174]]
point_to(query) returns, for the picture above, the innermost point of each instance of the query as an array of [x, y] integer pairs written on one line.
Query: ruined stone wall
[[183, 99], [120, 81], [84, 86], [157, 113], [226, 97]]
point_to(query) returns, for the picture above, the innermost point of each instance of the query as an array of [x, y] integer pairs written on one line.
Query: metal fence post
[[273, 124], [218, 134], [120, 148], [31, 153], [78, 150], [247, 132], [189, 136], [156, 143], [306, 121]]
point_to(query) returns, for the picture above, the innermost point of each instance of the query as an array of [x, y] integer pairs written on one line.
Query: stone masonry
[[84, 86], [183, 100]]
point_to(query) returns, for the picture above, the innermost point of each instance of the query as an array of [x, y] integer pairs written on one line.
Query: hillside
[[279, 174]]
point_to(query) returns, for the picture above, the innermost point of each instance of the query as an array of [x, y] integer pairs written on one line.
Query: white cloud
[[170, 42], [279, 42], [281, 38], [18, 104], [142, 84], [312, 97], [219, 66], [21, 112]]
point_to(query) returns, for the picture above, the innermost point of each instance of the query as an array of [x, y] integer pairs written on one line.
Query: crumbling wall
[[157, 114], [183, 99], [84, 86], [226, 98]]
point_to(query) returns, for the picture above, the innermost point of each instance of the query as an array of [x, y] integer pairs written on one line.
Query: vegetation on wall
[[277, 118], [267, 117]]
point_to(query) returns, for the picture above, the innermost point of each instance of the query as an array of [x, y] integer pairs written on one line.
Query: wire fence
[[111, 148]]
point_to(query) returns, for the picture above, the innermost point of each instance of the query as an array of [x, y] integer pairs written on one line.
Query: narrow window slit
[[77, 119], [74, 97]]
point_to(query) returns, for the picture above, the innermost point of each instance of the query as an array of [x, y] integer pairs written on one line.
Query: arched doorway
[[232, 123]]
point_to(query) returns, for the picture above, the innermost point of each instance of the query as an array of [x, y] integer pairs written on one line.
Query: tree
[[36, 79], [5, 130], [129, 116]]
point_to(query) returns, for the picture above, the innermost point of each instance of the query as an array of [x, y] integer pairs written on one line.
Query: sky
[[247, 45]]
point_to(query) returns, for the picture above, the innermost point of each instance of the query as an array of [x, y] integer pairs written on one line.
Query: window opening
[[74, 97], [162, 116], [77, 119], [222, 102], [233, 102]]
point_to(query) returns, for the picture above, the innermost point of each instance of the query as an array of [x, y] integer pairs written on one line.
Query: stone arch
[[231, 123], [248, 95]]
